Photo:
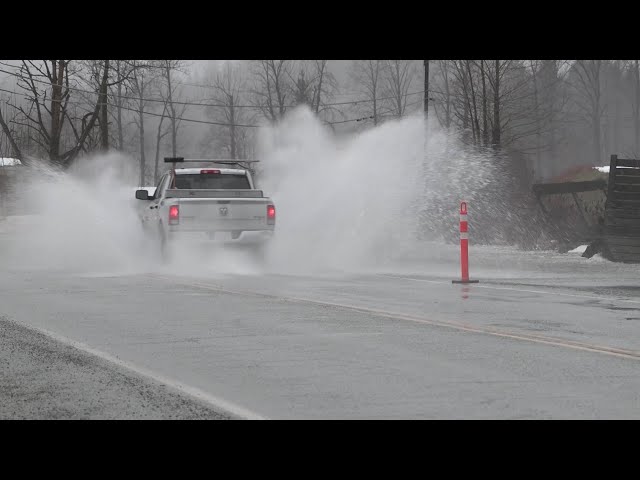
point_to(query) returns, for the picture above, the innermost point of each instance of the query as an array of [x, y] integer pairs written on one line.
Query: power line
[[208, 122], [72, 102], [198, 104], [339, 94], [192, 120]]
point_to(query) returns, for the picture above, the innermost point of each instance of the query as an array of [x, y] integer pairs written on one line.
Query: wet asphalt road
[[538, 338]]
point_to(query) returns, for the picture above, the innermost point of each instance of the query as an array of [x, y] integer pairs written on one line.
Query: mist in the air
[[82, 220], [369, 199], [344, 203]]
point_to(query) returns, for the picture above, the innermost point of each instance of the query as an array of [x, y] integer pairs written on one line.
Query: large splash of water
[[84, 219], [341, 203], [351, 202], [368, 199]]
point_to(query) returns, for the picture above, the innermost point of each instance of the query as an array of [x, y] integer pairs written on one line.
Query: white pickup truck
[[217, 204]]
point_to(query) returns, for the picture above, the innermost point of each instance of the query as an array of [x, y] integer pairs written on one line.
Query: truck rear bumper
[[249, 237]]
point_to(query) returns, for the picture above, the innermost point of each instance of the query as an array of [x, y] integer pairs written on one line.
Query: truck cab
[[209, 203]]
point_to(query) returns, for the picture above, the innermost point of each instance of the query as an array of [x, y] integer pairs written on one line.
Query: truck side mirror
[[142, 195]]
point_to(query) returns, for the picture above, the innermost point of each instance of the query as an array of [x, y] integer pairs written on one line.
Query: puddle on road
[[611, 307]]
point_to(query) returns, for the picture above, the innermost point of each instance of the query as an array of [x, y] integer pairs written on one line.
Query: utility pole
[[104, 119], [426, 89], [426, 119]]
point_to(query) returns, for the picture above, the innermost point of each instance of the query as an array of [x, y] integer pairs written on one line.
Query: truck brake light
[[174, 215], [209, 171], [271, 214]]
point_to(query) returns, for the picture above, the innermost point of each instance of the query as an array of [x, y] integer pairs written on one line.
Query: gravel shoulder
[[41, 378]]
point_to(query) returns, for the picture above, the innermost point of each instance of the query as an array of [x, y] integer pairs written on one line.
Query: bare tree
[[104, 118], [474, 112], [497, 128], [636, 109], [302, 88], [485, 130], [325, 87], [141, 82], [586, 80], [462, 100], [174, 112], [93, 81], [271, 84], [47, 87], [443, 105], [367, 75], [399, 76], [229, 87], [119, 88], [159, 137], [511, 97], [314, 86]]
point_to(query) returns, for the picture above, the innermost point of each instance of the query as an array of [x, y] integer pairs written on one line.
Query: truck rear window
[[212, 181]]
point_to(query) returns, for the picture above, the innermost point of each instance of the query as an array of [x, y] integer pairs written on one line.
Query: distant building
[[9, 162], [11, 179]]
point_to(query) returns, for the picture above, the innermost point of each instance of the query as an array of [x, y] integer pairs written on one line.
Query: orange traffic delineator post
[[464, 246]]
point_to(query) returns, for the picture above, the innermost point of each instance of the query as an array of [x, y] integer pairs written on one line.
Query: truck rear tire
[[260, 252], [164, 245]]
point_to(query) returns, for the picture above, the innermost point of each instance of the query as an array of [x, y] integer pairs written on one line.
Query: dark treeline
[[543, 115]]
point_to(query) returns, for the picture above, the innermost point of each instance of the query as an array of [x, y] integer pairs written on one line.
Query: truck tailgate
[[222, 214]]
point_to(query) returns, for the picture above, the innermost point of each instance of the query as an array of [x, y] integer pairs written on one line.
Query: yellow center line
[[602, 349]]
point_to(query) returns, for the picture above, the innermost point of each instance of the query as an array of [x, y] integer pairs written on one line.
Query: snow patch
[[605, 169], [580, 249], [9, 162]]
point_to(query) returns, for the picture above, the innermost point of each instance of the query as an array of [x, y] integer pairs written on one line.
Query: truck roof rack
[[211, 160], [241, 163], [182, 159]]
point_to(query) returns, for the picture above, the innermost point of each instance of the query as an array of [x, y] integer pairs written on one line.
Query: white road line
[[491, 287], [217, 403], [602, 349]]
